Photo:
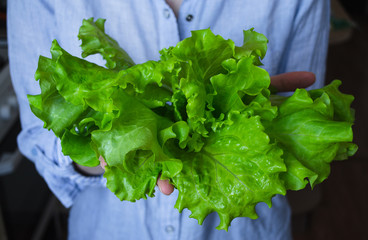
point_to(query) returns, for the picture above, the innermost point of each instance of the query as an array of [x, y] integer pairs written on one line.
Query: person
[[298, 39]]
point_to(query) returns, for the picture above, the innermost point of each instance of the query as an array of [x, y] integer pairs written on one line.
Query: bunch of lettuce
[[202, 116]]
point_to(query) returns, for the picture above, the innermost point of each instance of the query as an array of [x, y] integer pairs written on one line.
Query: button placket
[[168, 28], [189, 17], [170, 217]]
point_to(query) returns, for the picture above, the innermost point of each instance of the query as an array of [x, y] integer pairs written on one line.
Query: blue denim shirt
[[298, 38]]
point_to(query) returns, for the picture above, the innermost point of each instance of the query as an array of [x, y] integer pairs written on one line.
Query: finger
[[102, 162], [292, 80], [165, 186]]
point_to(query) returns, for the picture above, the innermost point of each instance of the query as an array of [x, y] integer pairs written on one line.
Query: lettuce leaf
[[236, 169], [309, 135], [203, 116], [94, 40]]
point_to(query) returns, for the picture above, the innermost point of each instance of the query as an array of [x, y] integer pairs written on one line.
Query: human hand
[[164, 185], [292, 80]]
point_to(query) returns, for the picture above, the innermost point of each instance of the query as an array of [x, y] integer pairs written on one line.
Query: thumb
[[165, 186]]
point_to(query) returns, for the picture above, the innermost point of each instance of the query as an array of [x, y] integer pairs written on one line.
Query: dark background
[[336, 209]]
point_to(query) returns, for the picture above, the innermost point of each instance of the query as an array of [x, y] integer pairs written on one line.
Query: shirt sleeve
[[31, 29], [307, 45]]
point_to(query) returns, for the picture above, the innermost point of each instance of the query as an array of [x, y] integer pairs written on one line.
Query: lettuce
[[203, 116]]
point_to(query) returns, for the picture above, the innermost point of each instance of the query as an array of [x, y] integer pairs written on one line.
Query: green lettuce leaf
[[95, 40], [202, 116], [236, 169], [254, 45], [243, 78], [341, 102], [305, 128]]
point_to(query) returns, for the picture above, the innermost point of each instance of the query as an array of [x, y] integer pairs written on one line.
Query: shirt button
[[189, 17], [169, 229], [166, 13]]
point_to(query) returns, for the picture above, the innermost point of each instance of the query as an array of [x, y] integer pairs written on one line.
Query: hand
[[292, 80], [282, 82], [164, 185]]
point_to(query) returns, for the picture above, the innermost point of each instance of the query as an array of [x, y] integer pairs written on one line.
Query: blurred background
[[336, 209]]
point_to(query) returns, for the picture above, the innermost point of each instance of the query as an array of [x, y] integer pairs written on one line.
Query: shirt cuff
[[44, 149]]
